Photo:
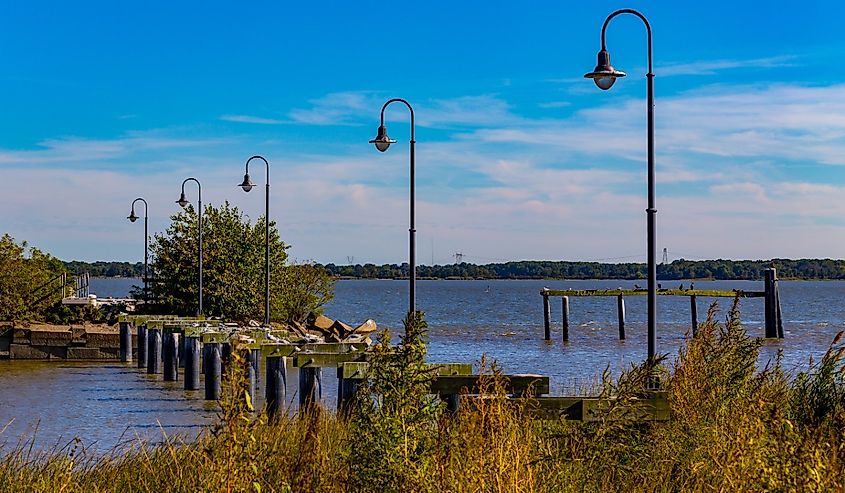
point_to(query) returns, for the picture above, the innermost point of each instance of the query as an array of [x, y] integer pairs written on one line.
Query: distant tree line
[[531, 269], [106, 269]]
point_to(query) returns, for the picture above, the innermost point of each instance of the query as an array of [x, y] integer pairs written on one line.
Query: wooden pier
[[772, 311], [453, 382]]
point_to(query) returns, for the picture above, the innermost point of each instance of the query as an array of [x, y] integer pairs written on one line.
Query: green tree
[[233, 269], [30, 281]]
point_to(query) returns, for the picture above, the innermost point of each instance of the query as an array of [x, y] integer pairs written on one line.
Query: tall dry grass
[[734, 427]]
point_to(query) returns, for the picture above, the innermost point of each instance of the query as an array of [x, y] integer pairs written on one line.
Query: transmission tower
[[459, 257]]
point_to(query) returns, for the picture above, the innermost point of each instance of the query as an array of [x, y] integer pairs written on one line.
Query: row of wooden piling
[[773, 318]]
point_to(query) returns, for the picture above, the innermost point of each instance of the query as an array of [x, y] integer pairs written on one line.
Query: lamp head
[[604, 75], [247, 184], [183, 201], [382, 140], [132, 217]]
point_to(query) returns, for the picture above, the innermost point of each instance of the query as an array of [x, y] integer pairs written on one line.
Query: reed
[[734, 427]]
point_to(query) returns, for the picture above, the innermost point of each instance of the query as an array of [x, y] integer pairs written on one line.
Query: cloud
[[251, 119], [712, 67]]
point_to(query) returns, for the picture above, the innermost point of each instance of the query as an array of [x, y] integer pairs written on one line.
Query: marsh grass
[[734, 427]]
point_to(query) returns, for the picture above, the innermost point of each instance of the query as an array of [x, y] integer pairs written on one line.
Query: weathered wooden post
[[256, 362], [620, 311], [180, 357], [125, 342], [213, 370], [310, 386], [275, 385], [225, 356], [192, 363], [154, 351], [777, 304], [547, 316], [170, 353], [770, 303], [453, 402], [249, 369], [565, 317], [693, 308], [142, 346]]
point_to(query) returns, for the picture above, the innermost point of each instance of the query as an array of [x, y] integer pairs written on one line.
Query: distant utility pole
[[459, 257], [350, 259], [665, 256]]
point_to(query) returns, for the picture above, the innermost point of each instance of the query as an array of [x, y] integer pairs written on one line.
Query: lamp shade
[[247, 184], [382, 140], [132, 217], [183, 201], [604, 75]]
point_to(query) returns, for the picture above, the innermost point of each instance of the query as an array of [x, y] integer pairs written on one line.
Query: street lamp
[[132, 217], [247, 185], [183, 202], [604, 75], [382, 143]]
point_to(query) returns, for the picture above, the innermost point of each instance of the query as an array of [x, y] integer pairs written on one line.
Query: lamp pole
[[604, 75], [247, 185], [183, 202], [132, 217], [382, 143]]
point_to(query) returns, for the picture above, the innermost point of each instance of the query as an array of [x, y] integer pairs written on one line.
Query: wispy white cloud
[[712, 67], [251, 119]]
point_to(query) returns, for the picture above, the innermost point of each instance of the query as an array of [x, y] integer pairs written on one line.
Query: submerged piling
[[693, 309], [310, 386], [154, 351], [142, 346], [213, 371], [192, 363], [275, 384], [170, 352], [547, 317], [565, 317], [620, 311], [125, 342]]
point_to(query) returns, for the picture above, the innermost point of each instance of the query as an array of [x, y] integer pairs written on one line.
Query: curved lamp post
[[382, 143], [604, 75], [132, 217], [183, 202], [247, 185]]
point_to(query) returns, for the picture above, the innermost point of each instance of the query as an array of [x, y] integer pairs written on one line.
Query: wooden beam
[[514, 384], [654, 407], [711, 293], [327, 360], [357, 370]]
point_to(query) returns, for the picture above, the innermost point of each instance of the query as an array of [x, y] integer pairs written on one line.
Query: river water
[[104, 404]]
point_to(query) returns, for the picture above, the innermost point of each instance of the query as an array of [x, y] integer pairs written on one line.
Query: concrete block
[[20, 335], [50, 335], [90, 353], [25, 351], [102, 337]]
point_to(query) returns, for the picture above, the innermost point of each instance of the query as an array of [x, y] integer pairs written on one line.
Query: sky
[[517, 155]]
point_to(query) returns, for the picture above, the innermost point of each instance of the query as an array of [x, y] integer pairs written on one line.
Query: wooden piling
[[125, 342], [346, 390], [620, 311], [170, 356], [142, 346], [310, 386], [192, 363], [225, 356], [154, 351], [181, 352], [565, 317], [255, 359], [250, 375], [777, 310], [453, 402], [275, 384], [770, 303], [547, 317], [693, 309], [213, 370]]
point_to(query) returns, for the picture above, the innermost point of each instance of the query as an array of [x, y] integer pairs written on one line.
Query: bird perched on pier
[[637, 286], [659, 286], [691, 286], [681, 287]]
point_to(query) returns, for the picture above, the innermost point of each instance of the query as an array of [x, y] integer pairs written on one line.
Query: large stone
[[20, 335], [50, 335], [322, 322], [367, 327], [77, 334], [25, 351], [90, 353], [102, 337]]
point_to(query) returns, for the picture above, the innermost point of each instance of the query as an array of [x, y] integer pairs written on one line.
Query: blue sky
[[518, 156]]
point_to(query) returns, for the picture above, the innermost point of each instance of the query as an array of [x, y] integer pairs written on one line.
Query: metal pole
[[146, 258], [651, 211], [199, 209], [267, 251]]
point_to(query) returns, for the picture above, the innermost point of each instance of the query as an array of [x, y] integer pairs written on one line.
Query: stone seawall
[[71, 342]]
